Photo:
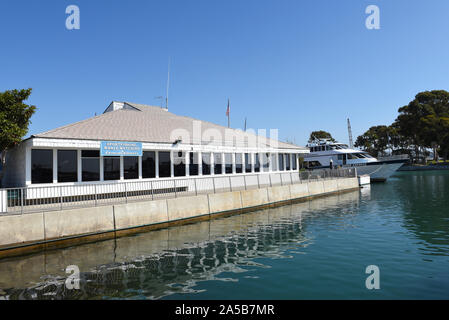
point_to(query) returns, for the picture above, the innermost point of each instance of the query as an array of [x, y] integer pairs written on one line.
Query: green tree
[[398, 143], [14, 120], [320, 135], [444, 147], [376, 140], [424, 122]]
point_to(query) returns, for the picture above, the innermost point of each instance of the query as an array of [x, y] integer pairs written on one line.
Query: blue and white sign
[[119, 148]]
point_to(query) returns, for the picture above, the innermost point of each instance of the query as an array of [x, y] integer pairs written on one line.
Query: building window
[[90, 163], [287, 161], [248, 162], [281, 162], [257, 163], [148, 164], [228, 163], [206, 163], [193, 166], [131, 167], [218, 168], [164, 164], [41, 166], [179, 164], [67, 165], [294, 162], [238, 163], [274, 165], [111, 168], [266, 162]]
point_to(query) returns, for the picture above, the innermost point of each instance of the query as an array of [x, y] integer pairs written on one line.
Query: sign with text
[[119, 148]]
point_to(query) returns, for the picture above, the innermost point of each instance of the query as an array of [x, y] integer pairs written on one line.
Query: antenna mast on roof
[[168, 84], [162, 100]]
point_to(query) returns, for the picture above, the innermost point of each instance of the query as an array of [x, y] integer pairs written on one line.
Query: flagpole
[[228, 111]]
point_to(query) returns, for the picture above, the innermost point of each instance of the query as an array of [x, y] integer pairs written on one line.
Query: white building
[[133, 142]]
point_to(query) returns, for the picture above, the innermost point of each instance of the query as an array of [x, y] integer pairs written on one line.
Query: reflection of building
[[134, 142], [150, 263]]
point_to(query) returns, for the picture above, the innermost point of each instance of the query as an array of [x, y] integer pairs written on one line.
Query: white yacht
[[323, 151]]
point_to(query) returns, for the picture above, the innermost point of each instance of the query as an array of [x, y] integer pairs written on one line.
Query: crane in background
[[351, 144]]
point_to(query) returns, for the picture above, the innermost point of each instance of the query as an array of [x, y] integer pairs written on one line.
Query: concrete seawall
[[37, 231]]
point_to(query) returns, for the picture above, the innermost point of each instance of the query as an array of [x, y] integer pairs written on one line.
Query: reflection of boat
[[323, 151]]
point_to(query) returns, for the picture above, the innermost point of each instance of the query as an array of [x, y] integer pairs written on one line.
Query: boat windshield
[[358, 156]]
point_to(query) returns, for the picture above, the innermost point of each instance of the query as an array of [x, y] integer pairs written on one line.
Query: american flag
[[228, 109]]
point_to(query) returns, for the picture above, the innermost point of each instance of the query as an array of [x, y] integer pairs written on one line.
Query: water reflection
[[425, 201], [365, 192], [161, 263]]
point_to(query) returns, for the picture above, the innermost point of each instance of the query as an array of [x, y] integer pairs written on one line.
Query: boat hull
[[378, 171]]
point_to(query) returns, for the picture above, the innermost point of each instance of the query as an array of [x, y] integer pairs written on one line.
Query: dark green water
[[313, 250]]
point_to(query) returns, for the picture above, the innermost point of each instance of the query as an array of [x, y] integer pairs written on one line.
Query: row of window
[[328, 147], [67, 165]]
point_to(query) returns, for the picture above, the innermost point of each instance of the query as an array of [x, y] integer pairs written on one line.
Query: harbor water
[[317, 249]]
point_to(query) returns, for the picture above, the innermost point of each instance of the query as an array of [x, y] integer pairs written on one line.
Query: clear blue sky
[[289, 64]]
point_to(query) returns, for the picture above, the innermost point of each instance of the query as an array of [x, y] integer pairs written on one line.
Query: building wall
[[18, 172], [198, 150]]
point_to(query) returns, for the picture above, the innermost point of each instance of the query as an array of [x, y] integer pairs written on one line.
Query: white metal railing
[[38, 199]]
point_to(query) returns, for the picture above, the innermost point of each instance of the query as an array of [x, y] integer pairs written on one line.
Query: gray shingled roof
[[143, 124]]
